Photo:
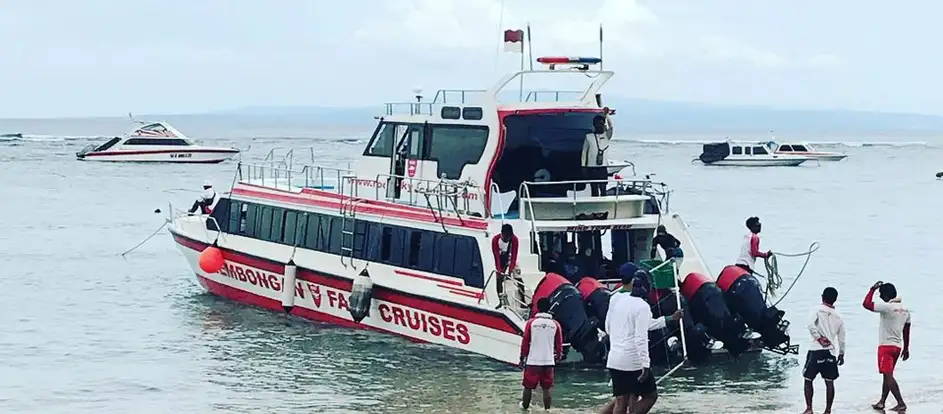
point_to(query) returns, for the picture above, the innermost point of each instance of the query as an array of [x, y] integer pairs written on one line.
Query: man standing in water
[[827, 351], [893, 337], [595, 158], [504, 247], [750, 249], [541, 349], [627, 323]]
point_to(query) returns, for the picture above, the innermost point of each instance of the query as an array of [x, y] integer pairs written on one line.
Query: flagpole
[[600, 47], [530, 50]]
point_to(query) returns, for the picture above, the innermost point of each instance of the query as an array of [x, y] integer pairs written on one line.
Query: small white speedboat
[[805, 150], [155, 142], [746, 155]]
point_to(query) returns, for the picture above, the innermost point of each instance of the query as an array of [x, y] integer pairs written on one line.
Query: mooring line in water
[[145, 240]]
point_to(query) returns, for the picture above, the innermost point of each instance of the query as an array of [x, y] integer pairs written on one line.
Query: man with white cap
[[208, 201]]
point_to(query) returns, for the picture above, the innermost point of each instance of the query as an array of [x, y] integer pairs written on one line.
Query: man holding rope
[[627, 323], [750, 250]]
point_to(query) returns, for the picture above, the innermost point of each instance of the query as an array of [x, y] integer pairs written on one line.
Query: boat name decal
[[422, 322], [600, 227], [184, 155], [261, 279]]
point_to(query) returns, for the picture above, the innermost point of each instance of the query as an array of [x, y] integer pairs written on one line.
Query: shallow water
[[86, 330]]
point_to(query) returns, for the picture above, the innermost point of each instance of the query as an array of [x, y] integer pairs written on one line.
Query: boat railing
[[623, 187], [309, 176], [461, 197], [534, 96]]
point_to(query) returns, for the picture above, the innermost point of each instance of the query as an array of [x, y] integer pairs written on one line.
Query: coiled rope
[[774, 280]]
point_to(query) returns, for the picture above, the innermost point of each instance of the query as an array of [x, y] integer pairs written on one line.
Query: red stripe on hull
[[289, 197], [252, 299], [478, 316], [142, 152]]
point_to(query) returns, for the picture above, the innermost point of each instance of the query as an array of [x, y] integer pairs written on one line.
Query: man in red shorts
[[541, 349], [893, 337]]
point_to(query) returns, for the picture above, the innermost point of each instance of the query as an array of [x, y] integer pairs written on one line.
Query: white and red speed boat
[[402, 242], [805, 149], [155, 142]]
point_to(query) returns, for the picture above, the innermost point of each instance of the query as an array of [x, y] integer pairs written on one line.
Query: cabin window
[[398, 246], [455, 146], [445, 259], [415, 237], [748, 150], [265, 223], [334, 235], [253, 211], [383, 141], [291, 226], [156, 141], [472, 113], [451, 112], [236, 216], [312, 231], [800, 148], [361, 240], [544, 141], [736, 150], [784, 148], [759, 151], [107, 145], [386, 241]]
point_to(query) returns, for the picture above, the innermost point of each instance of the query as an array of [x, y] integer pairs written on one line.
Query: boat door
[[406, 160]]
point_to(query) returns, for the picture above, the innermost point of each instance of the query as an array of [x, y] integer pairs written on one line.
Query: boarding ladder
[[348, 209]]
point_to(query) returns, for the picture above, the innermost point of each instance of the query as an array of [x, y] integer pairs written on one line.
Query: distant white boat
[[155, 142], [805, 150], [746, 155]]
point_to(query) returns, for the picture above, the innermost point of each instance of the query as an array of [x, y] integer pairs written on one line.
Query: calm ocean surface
[[85, 330]]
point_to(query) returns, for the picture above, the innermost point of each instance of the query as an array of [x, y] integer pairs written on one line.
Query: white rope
[[145, 240], [774, 280]]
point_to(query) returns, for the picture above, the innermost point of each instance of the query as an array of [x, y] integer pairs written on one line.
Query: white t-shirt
[[826, 322], [627, 323], [893, 318]]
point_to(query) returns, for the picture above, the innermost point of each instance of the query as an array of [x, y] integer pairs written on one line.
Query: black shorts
[[626, 382], [820, 362]]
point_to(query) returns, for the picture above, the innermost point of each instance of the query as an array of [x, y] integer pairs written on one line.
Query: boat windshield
[[542, 147]]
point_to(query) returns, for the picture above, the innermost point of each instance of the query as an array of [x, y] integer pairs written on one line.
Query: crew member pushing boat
[[505, 246]]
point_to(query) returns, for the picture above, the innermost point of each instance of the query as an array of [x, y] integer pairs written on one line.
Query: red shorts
[[887, 358], [537, 375]]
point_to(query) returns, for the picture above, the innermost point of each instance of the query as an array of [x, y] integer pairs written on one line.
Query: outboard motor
[[745, 298], [361, 295], [708, 308], [696, 334], [566, 306], [596, 298]]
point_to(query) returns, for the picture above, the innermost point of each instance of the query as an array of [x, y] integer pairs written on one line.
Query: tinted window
[[747, 150], [313, 231], [265, 223], [253, 212], [415, 240], [334, 235], [472, 113], [383, 140], [451, 112], [386, 241], [155, 141], [759, 151], [454, 147], [737, 151], [291, 223], [445, 260], [800, 148], [235, 216], [785, 148]]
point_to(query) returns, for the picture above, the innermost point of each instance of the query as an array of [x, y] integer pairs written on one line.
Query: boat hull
[[190, 156], [821, 156], [323, 297], [772, 162]]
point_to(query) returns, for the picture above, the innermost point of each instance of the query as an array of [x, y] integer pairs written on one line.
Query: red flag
[[514, 41]]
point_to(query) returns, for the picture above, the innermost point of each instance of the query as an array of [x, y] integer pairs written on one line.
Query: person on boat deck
[[541, 349], [627, 323], [827, 350], [208, 201], [893, 337], [750, 249], [504, 247], [595, 158], [668, 243]]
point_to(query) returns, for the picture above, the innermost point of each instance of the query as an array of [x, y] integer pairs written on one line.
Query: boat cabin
[[155, 134], [794, 148]]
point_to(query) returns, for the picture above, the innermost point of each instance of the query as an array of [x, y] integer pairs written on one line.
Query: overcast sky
[[90, 58]]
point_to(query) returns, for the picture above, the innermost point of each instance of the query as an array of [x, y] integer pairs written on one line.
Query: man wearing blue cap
[[627, 323]]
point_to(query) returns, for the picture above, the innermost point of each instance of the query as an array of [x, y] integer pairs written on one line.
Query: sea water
[[87, 330]]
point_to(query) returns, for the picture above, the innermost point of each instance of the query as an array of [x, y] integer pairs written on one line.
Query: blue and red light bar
[[558, 60]]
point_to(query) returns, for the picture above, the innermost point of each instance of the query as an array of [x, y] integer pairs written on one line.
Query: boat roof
[[154, 129]]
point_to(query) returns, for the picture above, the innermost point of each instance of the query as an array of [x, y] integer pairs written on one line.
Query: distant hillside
[[661, 116]]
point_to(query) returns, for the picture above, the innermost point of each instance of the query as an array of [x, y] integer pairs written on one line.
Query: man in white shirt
[[207, 202], [827, 350], [627, 323], [750, 249], [595, 157], [541, 349], [893, 339]]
